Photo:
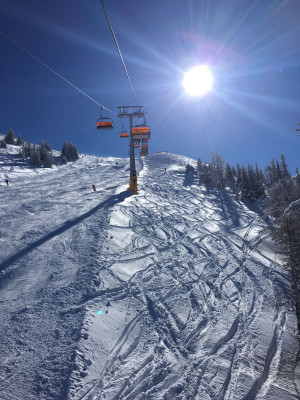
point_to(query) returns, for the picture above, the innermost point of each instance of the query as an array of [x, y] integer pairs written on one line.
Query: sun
[[198, 81]]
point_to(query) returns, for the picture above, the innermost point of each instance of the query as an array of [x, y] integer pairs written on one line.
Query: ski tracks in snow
[[188, 289], [187, 286]]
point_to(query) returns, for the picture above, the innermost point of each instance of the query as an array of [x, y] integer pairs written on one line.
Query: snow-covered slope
[[171, 294]]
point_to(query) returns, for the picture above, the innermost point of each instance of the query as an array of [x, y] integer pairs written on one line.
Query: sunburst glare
[[198, 81]]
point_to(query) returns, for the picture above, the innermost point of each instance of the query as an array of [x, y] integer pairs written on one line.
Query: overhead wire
[[56, 73], [116, 42]]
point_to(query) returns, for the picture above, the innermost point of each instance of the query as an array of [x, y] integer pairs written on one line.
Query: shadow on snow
[[188, 179], [110, 202]]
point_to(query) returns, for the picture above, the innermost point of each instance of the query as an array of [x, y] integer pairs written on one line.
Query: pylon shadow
[[110, 202]]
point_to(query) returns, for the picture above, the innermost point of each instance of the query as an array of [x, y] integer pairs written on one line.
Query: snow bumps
[[191, 281]]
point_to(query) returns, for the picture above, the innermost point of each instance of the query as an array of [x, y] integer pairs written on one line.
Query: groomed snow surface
[[194, 297]]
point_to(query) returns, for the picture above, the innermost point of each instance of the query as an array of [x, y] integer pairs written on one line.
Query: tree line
[[40, 155], [276, 191]]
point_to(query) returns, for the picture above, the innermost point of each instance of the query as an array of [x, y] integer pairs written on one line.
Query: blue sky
[[251, 47]]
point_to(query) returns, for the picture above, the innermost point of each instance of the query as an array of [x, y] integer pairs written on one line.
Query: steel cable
[[56, 73], [116, 42]]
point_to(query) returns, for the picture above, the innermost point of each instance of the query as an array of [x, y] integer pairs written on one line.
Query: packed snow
[[175, 293]]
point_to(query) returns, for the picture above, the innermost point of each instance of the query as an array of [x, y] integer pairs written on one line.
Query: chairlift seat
[[105, 123], [141, 132]]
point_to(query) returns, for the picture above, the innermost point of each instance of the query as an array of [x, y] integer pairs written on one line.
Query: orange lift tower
[[131, 112]]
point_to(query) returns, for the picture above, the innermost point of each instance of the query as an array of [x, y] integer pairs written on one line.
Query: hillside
[[175, 293]]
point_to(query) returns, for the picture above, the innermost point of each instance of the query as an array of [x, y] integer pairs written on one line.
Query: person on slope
[[6, 181], [94, 188]]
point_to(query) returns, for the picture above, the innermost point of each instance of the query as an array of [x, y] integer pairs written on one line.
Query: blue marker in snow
[[100, 312]]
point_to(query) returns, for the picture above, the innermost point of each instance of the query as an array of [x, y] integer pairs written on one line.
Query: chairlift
[[103, 122], [141, 132], [123, 133]]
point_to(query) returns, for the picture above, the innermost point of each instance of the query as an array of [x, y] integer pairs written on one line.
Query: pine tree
[[3, 144], [252, 183], [279, 197], [43, 151], [228, 175], [189, 168], [48, 146], [217, 171], [10, 137], [271, 173], [205, 173], [75, 155], [259, 182], [19, 141], [35, 158], [48, 160], [284, 168], [259, 174], [286, 231], [27, 149], [64, 150], [246, 192], [238, 179], [70, 151], [278, 171], [64, 160], [199, 165], [296, 180], [283, 205]]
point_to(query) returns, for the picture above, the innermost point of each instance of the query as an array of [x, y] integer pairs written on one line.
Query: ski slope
[[175, 293]]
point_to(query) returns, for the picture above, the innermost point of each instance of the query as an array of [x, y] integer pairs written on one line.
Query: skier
[[94, 188], [6, 181]]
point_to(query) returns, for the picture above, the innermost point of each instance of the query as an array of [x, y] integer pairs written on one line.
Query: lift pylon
[[131, 112]]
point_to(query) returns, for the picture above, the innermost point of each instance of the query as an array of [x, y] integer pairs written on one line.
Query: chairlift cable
[[116, 42], [52, 70]]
